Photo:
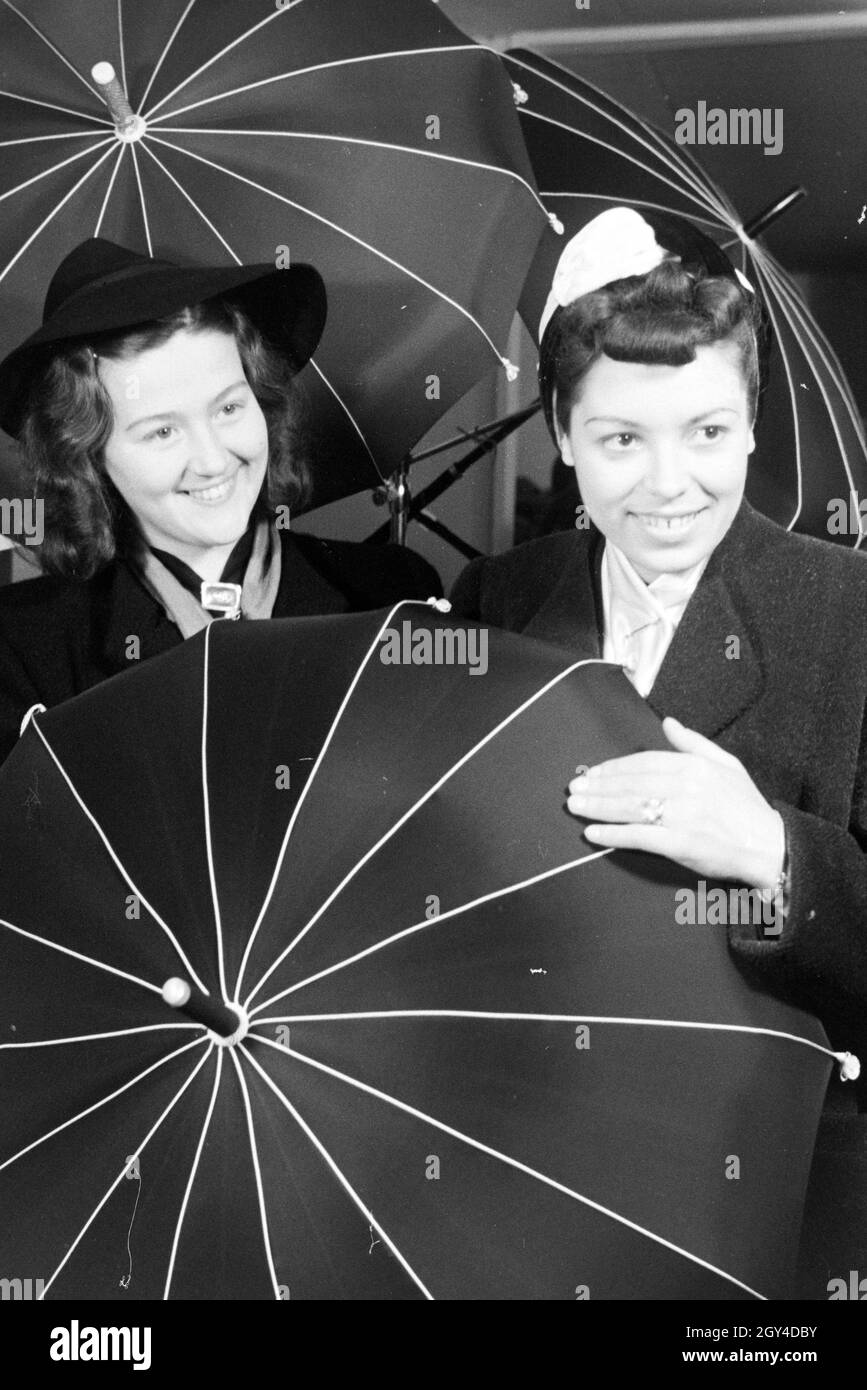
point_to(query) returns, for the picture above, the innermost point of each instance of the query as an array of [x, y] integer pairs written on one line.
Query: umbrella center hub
[[240, 1033], [132, 130]]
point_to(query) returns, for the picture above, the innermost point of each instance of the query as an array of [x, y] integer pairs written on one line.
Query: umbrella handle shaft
[[114, 96], [221, 1018]]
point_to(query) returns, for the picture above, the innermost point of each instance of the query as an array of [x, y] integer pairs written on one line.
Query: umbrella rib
[[45, 221], [144, 211], [166, 49], [53, 106], [116, 861], [257, 1170], [206, 809], [508, 1017], [40, 139], [192, 1175], [510, 1162], [121, 1175], [79, 955], [427, 923], [120, 45], [432, 791], [693, 186], [201, 213], [82, 154], [714, 222], [96, 1037], [660, 146], [303, 797], [342, 231], [305, 72], [54, 49], [279, 10], [794, 309], [98, 1104], [371, 144], [706, 203], [114, 173], [348, 413], [192, 202], [338, 1173], [810, 343], [762, 278]]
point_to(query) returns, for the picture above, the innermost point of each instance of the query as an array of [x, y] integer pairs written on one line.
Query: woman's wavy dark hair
[[68, 419], [657, 318]]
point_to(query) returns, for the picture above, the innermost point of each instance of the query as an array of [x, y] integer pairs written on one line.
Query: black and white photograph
[[433, 669]]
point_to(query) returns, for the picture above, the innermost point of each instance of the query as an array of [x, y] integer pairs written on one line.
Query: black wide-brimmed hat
[[101, 287]]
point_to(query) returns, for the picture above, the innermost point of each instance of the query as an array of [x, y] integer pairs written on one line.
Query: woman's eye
[[621, 441], [712, 433], [162, 433], [232, 407]]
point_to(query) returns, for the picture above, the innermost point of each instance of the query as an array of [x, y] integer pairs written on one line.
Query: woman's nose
[[666, 473], [207, 455]]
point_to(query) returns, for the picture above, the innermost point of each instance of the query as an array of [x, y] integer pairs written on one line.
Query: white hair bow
[[613, 245]]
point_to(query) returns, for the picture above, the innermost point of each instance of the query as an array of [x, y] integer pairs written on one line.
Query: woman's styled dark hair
[[657, 318], [68, 420]]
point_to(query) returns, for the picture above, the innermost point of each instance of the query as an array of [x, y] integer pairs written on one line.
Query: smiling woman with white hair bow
[[748, 641]]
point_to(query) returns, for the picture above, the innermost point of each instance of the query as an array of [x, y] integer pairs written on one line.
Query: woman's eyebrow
[[611, 420], [717, 410], [173, 414], [633, 425]]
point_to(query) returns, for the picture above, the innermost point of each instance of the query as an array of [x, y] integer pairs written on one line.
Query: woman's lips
[[674, 526]]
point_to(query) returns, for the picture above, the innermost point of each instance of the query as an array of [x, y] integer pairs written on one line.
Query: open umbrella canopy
[[589, 153], [310, 988], [375, 141]]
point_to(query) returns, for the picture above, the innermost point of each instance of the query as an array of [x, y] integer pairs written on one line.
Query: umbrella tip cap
[[176, 992], [102, 73], [850, 1066]]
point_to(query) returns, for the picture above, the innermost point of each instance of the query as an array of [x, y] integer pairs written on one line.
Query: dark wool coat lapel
[[129, 610]]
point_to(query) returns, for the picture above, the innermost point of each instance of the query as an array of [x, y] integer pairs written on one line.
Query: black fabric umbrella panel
[[377, 143], [435, 1045]]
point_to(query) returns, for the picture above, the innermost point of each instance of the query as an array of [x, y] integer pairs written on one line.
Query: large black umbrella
[[376, 141], [310, 987], [589, 152]]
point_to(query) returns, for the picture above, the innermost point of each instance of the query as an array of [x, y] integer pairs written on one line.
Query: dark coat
[[59, 637], [792, 709]]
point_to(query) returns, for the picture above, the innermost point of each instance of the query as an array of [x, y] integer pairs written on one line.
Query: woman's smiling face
[[661, 455], [188, 450]]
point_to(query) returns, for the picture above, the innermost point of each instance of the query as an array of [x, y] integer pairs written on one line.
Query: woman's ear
[[752, 441], [566, 453]]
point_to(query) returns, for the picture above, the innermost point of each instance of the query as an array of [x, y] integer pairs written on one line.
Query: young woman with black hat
[[157, 415], [748, 640]]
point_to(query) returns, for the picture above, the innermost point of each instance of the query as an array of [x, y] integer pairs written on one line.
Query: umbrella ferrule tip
[[176, 992], [850, 1066]]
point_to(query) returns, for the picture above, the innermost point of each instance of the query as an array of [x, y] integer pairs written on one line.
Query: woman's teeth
[[212, 494], [668, 523]]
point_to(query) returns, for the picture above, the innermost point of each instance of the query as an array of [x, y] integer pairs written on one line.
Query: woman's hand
[[715, 820]]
